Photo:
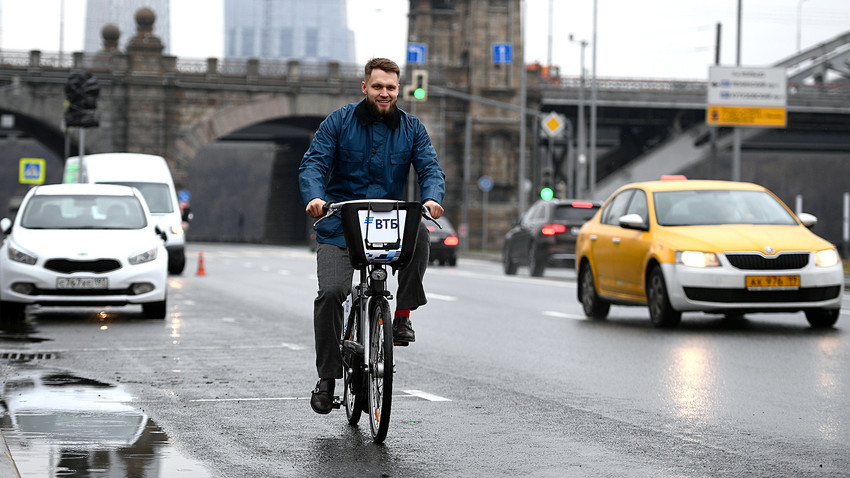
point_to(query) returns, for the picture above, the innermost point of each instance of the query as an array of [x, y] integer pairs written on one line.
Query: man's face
[[381, 91]]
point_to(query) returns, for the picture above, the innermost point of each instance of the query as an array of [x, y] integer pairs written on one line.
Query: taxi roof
[[689, 184]]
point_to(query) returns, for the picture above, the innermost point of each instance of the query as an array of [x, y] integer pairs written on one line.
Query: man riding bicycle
[[364, 151]]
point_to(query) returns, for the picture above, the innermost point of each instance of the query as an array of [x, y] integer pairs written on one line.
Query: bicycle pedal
[[337, 402], [401, 344]]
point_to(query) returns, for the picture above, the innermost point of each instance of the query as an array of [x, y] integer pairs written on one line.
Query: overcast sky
[[636, 38]]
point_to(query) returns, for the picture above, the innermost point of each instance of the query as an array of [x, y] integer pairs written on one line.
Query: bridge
[[175, 107]]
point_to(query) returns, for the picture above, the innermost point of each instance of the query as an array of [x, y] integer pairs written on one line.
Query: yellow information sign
[[31, 171], [746, 116]]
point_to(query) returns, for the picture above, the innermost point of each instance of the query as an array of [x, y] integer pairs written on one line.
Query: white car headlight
[[19, 255], [143, 257], [697, 259], [826, 258], [177, 229]]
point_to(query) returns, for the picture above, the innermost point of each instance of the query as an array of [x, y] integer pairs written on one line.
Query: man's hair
[[382, 64]]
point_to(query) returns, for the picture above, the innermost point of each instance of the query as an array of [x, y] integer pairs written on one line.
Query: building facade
[[288, 29]]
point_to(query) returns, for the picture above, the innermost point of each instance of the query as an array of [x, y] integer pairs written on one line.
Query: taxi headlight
[[826, 258], [697, 259], [143, 257], [177, 229], [19, 255]]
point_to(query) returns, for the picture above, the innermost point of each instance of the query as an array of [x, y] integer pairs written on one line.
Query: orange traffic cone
[[201, 270]]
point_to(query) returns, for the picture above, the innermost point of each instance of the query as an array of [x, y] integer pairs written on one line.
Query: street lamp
[[582, 141], [799, 22]]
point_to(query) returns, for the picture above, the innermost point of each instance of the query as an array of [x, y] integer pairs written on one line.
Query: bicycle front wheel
[[352, 368], [380, 371]]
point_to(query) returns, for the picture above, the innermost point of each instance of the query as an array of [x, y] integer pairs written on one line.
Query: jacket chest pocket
[[399, 165], [351, 164]]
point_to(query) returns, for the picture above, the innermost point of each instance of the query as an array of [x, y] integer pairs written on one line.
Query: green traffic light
[[419, 93], [547, 194]]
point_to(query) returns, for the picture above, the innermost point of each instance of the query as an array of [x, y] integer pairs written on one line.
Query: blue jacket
[[356, 156]]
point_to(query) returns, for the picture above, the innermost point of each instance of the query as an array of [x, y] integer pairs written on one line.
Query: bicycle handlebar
[[331, 208]]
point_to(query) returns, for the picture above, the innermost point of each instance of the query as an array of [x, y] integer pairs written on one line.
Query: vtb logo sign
[[382, 223]]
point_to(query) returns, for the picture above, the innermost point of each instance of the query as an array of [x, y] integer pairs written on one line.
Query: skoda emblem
[[769, 250]]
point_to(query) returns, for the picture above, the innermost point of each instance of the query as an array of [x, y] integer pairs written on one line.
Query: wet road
[[506, 378]]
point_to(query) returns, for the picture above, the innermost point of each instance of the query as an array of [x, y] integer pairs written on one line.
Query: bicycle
[[379, 233]]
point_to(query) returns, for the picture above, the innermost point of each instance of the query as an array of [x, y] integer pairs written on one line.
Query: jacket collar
[[365, 118]]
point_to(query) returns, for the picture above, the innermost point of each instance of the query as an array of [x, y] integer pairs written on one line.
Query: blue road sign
[[31, 171], [502, 53], [416, 53], [485, 183], [184, 196]]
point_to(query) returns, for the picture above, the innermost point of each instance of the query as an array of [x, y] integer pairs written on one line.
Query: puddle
[[56, 425]]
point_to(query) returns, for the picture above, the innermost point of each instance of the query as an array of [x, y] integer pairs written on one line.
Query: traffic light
[[546, 191], [81, 91], [418, 90]]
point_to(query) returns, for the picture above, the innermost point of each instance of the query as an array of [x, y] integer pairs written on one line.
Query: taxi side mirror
[[807, 219], [633, 221]]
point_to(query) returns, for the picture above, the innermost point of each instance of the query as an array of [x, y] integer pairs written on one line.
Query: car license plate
[[82, 283], [773, 282]]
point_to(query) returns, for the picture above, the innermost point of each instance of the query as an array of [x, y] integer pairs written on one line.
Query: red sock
[[404, 312]]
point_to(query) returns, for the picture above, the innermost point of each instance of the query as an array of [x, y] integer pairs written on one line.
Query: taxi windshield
[[719, 206]]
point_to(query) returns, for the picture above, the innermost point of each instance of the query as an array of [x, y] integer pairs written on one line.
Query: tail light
[[451, 241], [552, 229]]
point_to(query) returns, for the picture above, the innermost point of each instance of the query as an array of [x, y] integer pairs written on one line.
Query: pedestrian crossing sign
[[31, 171]]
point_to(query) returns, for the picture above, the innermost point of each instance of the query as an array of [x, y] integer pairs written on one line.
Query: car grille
[[795, 260], [809, 294], [67, 266]]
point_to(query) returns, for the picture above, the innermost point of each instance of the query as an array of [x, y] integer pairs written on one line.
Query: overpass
[[818, 99]]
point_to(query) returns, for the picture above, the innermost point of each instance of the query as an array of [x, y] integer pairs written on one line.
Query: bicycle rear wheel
[[352, 381], [380, 381]]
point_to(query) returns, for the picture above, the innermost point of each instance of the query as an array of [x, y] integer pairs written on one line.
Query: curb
[[7, 463]]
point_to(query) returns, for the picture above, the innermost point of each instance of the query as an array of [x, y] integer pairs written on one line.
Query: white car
[[82, 245]]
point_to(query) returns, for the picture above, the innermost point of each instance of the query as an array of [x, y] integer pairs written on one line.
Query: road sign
[[746, 96], [502, 53], [553, 124], [416, 53], [485, 183], [31, 171]]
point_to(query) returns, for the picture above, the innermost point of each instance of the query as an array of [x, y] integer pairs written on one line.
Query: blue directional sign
[[416, 53], [485, 183], [502, 53]]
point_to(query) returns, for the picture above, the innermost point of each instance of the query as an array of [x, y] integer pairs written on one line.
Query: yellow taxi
[[724, 247]]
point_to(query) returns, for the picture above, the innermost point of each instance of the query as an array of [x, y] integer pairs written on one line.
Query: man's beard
[[372, 106]]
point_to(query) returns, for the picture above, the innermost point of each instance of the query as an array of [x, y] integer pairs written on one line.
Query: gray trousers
[[335, 274]]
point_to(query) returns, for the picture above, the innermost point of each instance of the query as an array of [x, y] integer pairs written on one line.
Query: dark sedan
[[546, 235], [444, 242]]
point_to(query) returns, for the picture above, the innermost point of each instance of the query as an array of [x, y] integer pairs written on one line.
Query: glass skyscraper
[[315, 30], [123, 14]]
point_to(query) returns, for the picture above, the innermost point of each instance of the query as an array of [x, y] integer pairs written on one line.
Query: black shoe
[[322, 400], [403, 330]]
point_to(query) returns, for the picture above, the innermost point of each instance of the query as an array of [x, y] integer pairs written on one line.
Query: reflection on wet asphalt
[[59, 424]]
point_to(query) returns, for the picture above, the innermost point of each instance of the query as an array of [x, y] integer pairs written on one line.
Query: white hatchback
[[82, 245]]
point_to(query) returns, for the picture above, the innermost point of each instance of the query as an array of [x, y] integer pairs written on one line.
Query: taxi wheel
[[822, 318], [594, 306], [662, 314]]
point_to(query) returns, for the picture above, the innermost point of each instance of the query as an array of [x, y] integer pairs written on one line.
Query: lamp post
[[799, 21], [582, 140]]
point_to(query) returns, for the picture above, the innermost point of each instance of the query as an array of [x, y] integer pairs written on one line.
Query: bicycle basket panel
[[380, 232]]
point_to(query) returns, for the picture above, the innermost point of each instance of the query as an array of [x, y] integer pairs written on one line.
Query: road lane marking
[[427, 396], [408, 394], [446, 298], [562, 315]]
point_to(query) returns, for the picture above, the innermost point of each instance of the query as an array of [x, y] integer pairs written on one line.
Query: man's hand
[[433, 207], [314, 207]]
